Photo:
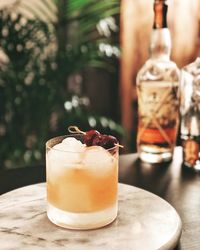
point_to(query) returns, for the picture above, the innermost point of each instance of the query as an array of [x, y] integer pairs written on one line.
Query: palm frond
[[89, 13], [89, 6]]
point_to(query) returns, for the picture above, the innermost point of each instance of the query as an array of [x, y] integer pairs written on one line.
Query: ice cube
[[61, 158], [60, 147], [73, 145], [96, 157], [63, 154]]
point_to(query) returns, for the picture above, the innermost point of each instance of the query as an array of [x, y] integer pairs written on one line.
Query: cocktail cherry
[[94, 138]]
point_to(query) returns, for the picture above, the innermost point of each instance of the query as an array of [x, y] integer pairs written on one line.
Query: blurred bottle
[[190, 112], [158, 94]]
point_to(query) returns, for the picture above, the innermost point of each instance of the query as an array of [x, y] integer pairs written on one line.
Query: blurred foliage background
[[47, 48]]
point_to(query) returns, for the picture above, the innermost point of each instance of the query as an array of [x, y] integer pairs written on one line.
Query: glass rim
[[72, 135]]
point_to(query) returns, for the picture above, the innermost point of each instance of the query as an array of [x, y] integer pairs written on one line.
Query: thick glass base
[[81, 221], [152, 154]]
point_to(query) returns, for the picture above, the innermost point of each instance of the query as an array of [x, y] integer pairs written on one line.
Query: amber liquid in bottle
[[158, 95]]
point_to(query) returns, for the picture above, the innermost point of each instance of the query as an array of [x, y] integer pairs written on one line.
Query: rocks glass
[[81, 183]]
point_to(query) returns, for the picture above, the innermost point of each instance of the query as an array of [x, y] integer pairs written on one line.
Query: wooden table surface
[[177, 185]]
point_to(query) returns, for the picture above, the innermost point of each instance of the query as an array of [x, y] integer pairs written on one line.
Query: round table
[[144, 221]]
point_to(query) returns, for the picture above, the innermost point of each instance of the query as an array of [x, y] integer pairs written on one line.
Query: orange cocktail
[[81, 183]]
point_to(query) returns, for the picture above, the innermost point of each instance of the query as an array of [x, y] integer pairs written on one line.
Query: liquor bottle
[[158, 94], [190, 115]]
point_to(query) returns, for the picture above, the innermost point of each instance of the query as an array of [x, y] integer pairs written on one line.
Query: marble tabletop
[[144, 222]]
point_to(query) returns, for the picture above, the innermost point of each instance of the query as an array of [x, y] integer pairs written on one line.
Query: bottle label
[[158, 101], [158, 111]]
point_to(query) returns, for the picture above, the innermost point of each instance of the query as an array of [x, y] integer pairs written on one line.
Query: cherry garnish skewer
[[93, 136], [75, 129]]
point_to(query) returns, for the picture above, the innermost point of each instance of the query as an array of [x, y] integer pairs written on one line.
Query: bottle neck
[[160, 14], [160, 45]]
